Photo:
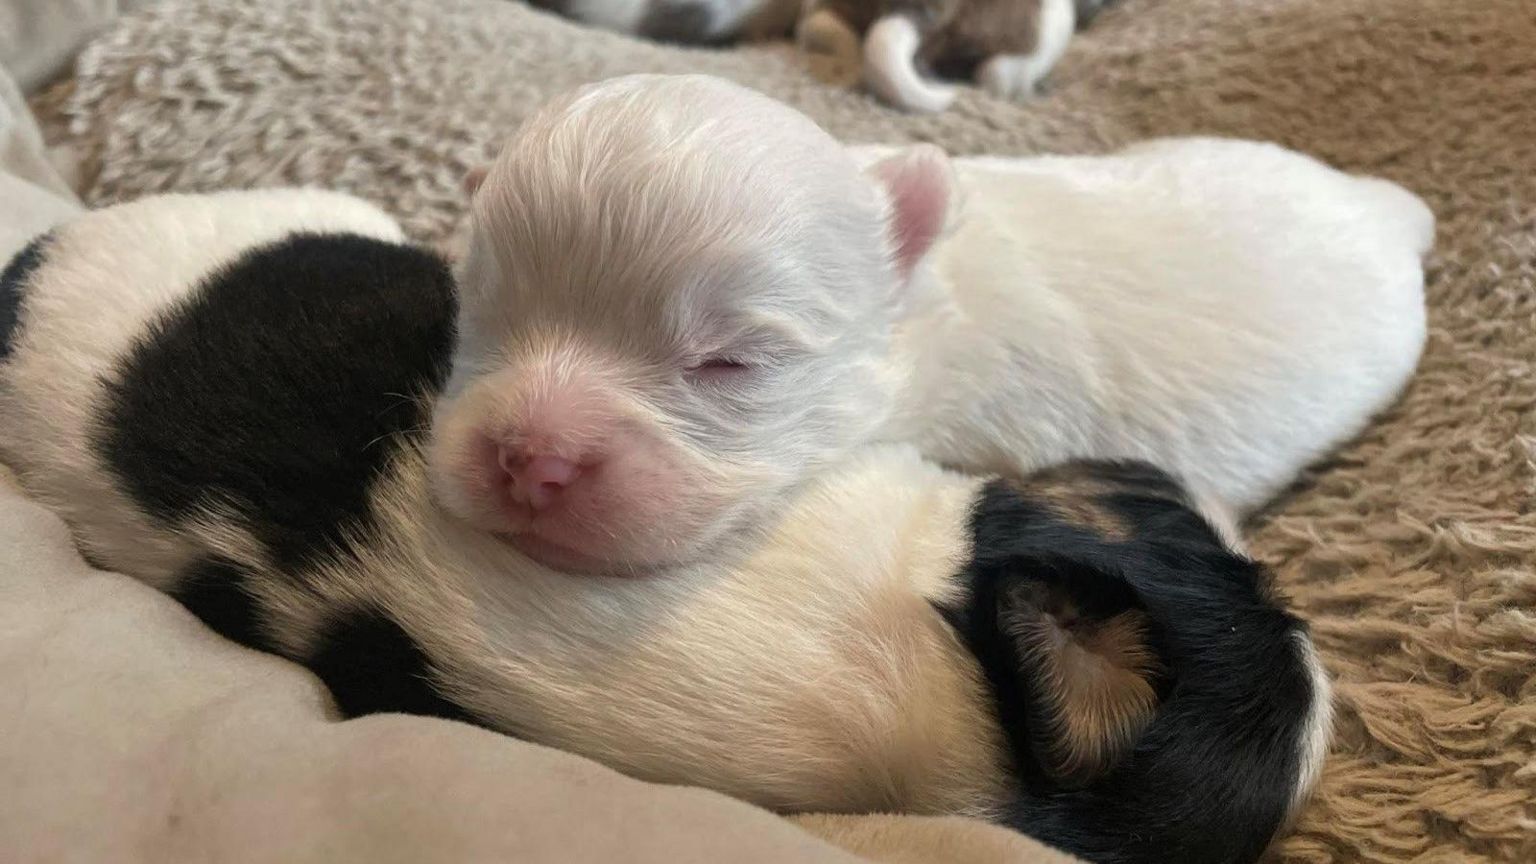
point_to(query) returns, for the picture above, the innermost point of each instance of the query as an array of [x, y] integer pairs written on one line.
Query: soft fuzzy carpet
[[1412, 551]]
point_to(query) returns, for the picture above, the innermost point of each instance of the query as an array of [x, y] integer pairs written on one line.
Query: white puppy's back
[[695, 288], [1226, 309]]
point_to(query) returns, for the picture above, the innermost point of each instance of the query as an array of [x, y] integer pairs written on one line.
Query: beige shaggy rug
[[1412, 552]]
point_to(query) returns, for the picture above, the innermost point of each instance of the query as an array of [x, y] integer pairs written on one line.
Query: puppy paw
[[823, 32], [832, 48], [890, 67]]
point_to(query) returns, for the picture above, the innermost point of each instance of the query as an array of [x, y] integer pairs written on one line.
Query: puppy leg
[[831, 45], [890, 67], [1013, 76], [825, 32]]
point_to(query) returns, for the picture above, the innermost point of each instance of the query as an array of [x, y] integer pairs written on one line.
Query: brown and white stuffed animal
[[1007, 46]]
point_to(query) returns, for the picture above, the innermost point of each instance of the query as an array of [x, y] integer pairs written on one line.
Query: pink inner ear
[[917, 181], [475, 177]]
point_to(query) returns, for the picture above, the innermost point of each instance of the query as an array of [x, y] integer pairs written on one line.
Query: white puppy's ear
[[920, 186], [475, 177]]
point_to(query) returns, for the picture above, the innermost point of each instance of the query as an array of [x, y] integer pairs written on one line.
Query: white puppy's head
[[676, 303]]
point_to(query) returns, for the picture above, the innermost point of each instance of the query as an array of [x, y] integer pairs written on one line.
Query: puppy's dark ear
[[475, 178], [1089, 677], [1073, 655]]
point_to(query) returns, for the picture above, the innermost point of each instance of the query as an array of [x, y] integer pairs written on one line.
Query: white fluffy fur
[[1318, 733], [1227, 310], [75, 333], [890, 67], [597, 275]]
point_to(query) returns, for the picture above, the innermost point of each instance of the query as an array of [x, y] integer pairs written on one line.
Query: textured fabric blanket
[[1411, 551]]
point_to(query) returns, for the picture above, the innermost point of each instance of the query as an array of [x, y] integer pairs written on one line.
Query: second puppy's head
[[677, 302]]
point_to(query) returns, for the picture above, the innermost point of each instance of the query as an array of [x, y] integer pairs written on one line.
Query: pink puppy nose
[[536, 480]]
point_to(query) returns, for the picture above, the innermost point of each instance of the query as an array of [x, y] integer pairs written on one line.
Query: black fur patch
[[682, 23], [372, 666], [559, 7], [219, 594], [1211, 777], [282, 387], [13, 282]]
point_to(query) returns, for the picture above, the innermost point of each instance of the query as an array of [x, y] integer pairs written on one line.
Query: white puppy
[[682, 298]]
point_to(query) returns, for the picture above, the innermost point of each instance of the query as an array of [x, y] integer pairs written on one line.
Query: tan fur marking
[[1087, 514], [1074, 493], [1096, 681], [1072, 500]]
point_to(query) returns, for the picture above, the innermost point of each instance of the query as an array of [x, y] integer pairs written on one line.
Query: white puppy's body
[[1225, 309], [682, 299]]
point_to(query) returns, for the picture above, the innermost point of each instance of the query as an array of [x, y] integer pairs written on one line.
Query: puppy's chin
[[575, 562], [635, 559], [651, 547], [632, 524]]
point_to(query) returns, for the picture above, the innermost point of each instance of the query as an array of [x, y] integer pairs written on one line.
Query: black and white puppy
[[227, 397]]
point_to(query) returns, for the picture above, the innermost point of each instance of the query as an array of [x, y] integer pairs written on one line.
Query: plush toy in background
[[1007, 46], [228, 396], [895, 46], [682, 299], [686, 22]]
